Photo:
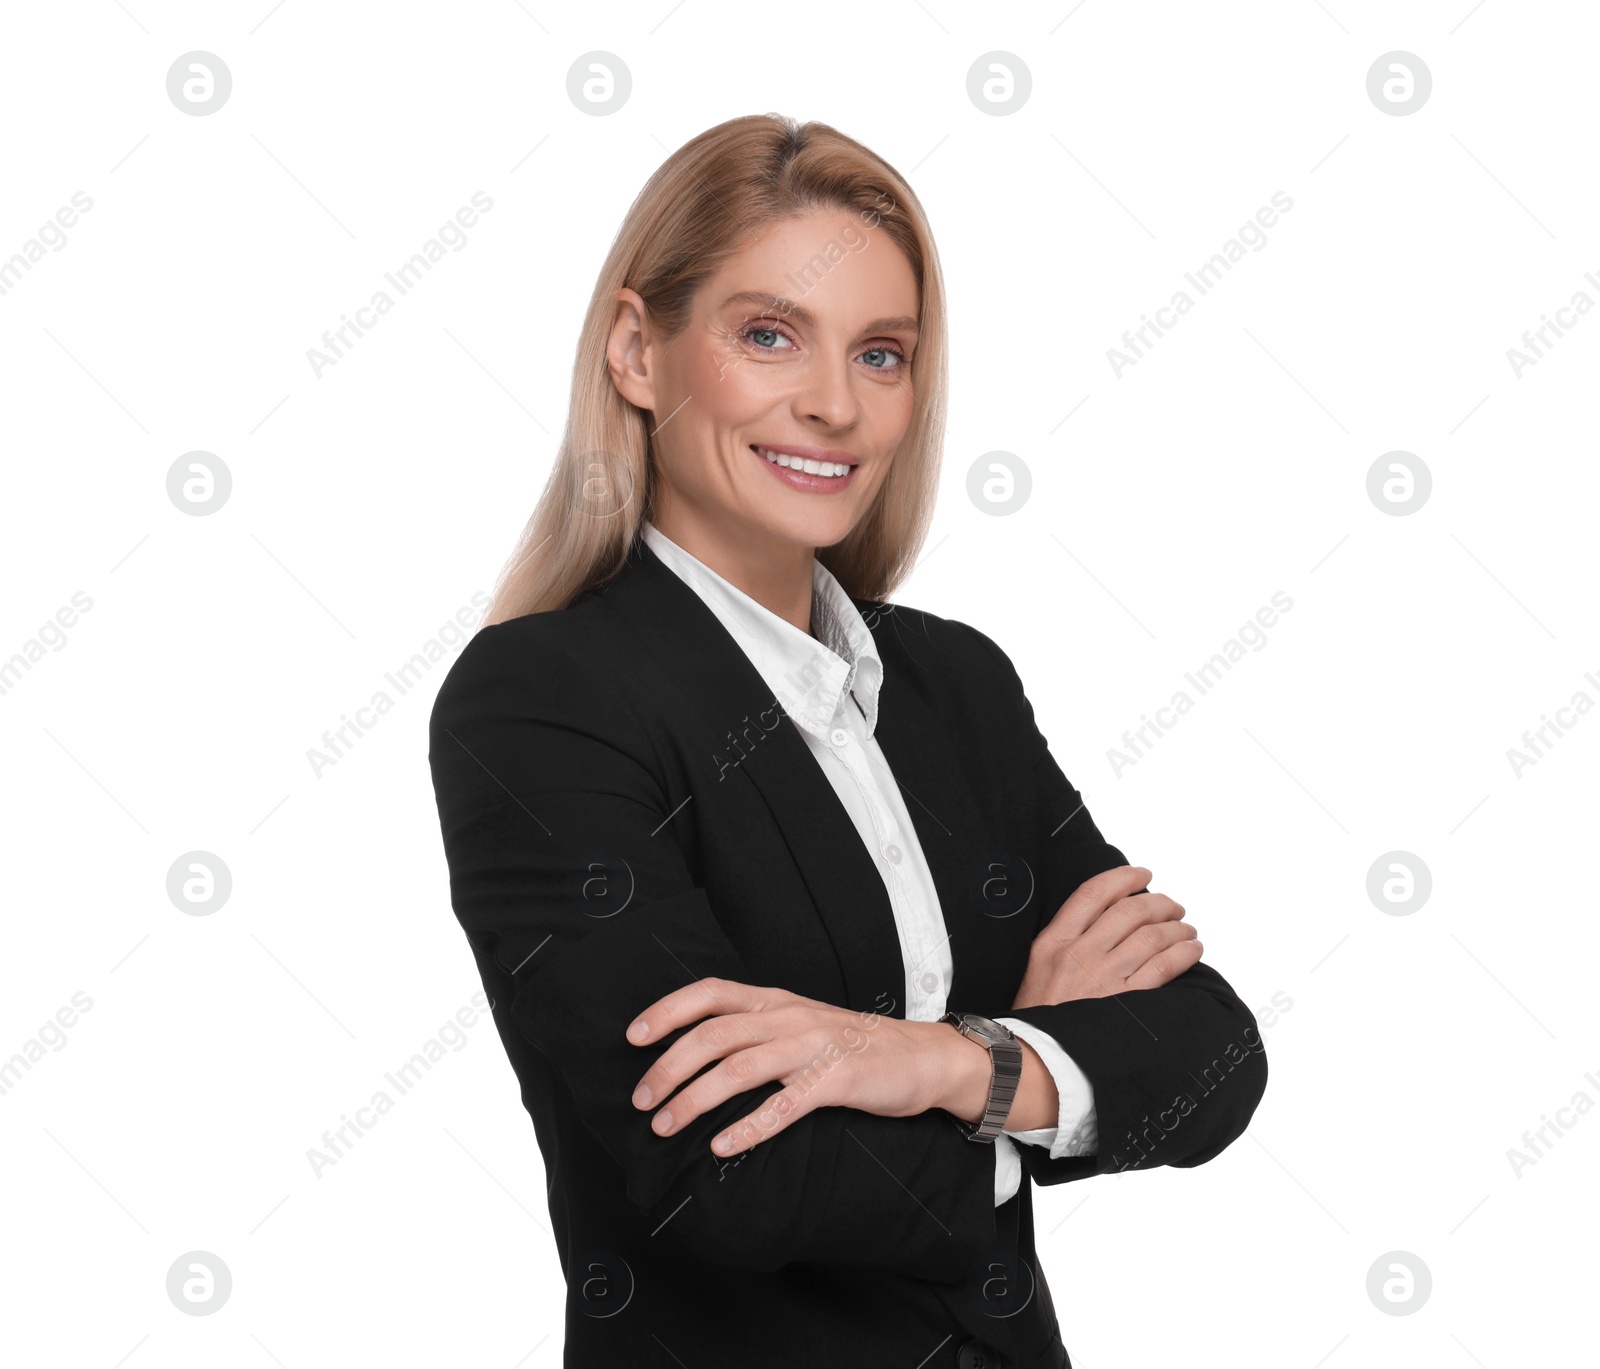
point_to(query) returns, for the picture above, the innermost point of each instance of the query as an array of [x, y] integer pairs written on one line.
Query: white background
[[370, 504]]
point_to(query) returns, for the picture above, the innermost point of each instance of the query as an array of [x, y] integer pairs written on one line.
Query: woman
[[802, 947]]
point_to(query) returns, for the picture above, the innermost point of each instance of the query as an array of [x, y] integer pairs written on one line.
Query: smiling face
[[777, 410]]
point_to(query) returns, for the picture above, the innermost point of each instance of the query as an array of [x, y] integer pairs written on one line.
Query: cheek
[[894, 410], [728, 389]]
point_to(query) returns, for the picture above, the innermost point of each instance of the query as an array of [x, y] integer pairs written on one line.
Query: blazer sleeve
[[1176, 1071], [548, 805]]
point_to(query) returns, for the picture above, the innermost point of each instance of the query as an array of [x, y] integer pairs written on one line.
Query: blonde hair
[[721, 186]]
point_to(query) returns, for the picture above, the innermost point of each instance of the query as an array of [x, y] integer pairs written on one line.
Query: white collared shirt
[[830, 686]]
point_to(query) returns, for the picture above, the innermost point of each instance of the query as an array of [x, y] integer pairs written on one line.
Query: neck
[[777, 575]]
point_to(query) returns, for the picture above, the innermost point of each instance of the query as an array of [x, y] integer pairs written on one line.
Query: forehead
[[828, 266]]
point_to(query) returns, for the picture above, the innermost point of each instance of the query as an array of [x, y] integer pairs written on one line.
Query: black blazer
[[626, 809]]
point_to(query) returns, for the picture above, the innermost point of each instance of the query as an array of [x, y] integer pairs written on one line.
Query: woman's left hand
[[825, 1056]]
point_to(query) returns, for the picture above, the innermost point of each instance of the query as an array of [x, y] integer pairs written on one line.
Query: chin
[[812, 531]]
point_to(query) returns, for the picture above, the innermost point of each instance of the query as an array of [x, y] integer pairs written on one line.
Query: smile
[[829, 470]]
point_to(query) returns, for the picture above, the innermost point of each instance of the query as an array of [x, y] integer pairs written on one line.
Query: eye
[[876, 358], [765, 336], [769, 337]]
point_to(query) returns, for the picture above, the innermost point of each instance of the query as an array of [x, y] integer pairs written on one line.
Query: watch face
[[993, 1030]]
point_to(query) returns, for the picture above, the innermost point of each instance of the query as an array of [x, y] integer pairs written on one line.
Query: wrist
[[1037, 1105], [964, 1074]]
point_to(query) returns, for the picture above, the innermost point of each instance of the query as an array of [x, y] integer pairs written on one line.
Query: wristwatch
[[1005, 1060]]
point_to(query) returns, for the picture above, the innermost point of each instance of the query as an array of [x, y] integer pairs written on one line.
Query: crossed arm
[[1107, 938], [864, 1168]]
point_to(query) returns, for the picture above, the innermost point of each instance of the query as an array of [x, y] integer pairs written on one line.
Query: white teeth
[[826, 468]]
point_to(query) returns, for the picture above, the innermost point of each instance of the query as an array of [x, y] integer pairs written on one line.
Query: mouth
[[819, 467]]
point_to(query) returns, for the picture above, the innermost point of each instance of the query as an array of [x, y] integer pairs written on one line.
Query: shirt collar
[[813, 677]]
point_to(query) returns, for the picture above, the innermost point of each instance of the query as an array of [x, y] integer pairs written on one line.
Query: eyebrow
[[780, 307]]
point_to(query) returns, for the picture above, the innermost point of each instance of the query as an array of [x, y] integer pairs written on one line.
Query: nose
[[825, 397]]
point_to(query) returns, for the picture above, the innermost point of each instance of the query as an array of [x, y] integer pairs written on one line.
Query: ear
[[630, 350]]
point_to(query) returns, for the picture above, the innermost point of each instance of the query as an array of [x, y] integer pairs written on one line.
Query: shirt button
[[839, 737], [893, 852], [930, 982]]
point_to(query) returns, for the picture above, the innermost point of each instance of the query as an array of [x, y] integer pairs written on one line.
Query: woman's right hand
[[1106, 939]]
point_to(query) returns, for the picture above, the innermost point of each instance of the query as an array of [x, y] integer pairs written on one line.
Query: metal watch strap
[[1005, 1061]]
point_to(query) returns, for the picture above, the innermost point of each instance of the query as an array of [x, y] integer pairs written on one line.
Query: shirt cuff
[[1007, 1169], [1075, 1132]]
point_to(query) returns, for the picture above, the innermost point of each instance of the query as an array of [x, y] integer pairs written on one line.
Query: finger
[[1091, 898], [788, 1057], [691, 1003], [1162, 969], [1122, 920], [782, 1110], [713, 1039], [1126, 916], [1144, 943]]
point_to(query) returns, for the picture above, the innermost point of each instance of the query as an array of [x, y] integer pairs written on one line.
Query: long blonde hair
[[716, 190]]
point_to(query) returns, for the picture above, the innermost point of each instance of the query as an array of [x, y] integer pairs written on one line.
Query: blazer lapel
[[736, 724]]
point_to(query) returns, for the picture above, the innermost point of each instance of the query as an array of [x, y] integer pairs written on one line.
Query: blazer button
[[977, 1354]]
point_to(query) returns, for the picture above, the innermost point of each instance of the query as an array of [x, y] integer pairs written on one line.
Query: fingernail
[[723, 1143], [662, 1122], [642, 1096], [638, 1031]]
